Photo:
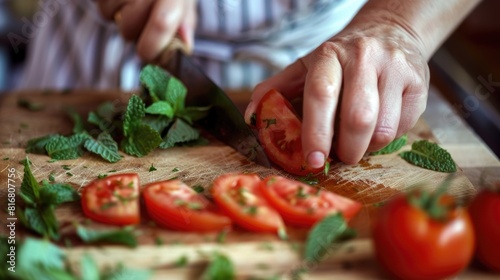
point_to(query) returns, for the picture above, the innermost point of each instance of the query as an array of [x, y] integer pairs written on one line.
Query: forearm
[[429, 21]]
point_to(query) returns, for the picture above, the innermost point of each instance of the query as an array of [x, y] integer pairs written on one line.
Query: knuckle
[[327, 49], [361, 119], [364, 48], [322, 96], [161, 24]]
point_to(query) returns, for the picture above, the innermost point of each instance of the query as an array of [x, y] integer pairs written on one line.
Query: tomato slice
[[113, 200], [238, 196], [174, 205], [279, 132], [302, 205]]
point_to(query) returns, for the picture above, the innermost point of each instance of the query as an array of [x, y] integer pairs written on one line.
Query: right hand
[[152, 23]]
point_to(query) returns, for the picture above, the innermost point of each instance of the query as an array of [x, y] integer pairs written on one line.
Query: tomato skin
[[485, 214], [100, 200], [161, 199], [235, 194], [302, 205], [411, 245], [279, 132]]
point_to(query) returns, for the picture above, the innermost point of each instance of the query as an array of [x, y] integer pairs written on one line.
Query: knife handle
[[175, 44]]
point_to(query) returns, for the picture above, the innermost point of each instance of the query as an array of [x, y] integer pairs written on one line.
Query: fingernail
[[316, 159]]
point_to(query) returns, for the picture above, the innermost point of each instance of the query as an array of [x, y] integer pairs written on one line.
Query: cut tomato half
[[239, 197], [113, 200], [302, 205], [174, 205], [279, 132]]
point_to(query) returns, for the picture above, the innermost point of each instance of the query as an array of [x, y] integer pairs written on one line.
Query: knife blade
[[224, 120]]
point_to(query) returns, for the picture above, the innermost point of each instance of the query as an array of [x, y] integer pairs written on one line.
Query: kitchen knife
[[224, 120]]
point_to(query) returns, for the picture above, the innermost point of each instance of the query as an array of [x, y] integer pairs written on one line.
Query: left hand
[[384, 78]]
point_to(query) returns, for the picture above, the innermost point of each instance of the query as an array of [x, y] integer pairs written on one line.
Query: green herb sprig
[[40, 202], [158, 119], [394, 146]]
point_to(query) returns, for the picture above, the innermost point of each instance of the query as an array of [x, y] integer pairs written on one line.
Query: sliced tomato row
[[243, 199]]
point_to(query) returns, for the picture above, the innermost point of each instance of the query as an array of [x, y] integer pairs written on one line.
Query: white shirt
[[238, 43]]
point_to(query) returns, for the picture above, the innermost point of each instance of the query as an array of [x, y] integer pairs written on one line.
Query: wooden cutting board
[[374, 180]]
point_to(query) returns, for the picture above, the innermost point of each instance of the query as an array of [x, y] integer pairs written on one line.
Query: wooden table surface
[[469, 152]]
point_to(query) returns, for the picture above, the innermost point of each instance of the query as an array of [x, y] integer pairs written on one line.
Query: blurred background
[[465, 70]]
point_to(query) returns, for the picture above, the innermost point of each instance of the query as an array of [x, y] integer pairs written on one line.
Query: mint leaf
[[78, 126], [220, 268], [141, 141], [161, 108], [133, 115], [42, 220], [62, 147], [29, 186], [41, 260], [163, 86], [105, 146], [102, 123], [158, 123], [37, 145], [175, 94], [192, 114], [123, 236], [394, 146], [106, 111], [430, 156], [180, 132], [57, 193], [89, 269], [155, 80], [103, 117], [320, 238]]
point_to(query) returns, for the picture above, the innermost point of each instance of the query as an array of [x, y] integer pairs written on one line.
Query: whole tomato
[[485, 214], [418, 236]]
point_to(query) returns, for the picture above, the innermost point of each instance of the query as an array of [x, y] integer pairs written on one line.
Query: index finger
[[321, 94], [163, 23]]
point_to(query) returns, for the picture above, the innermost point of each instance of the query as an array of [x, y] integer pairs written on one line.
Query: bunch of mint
[[157, 119], [40, 201]]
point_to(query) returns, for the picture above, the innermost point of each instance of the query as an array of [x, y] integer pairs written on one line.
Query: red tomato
[[409, 244], [113, 200], [302, 205], [485, 215], [238, 196], [173, 204], [279, 131]]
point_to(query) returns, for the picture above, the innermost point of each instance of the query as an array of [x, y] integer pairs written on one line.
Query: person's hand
[[152, 23], [374, 73]]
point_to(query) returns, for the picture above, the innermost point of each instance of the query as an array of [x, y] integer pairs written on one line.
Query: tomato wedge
[[113, 200], [174, 205], [279, 132], [238, 196], [302, 205]]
